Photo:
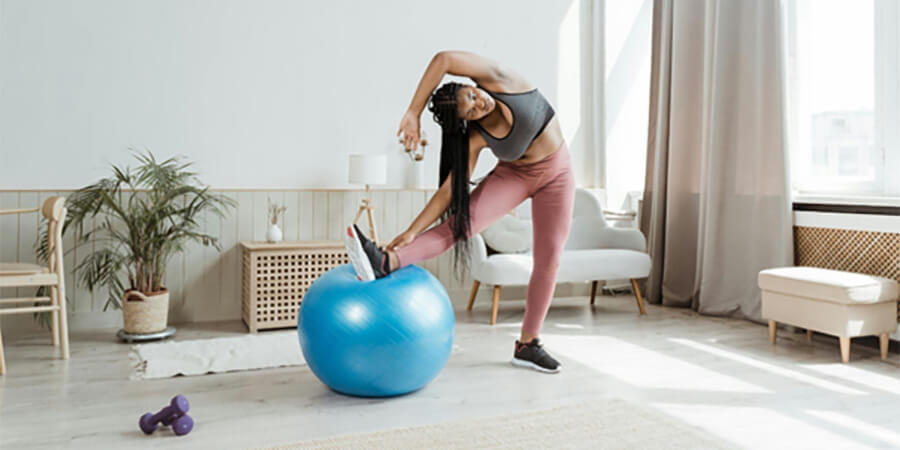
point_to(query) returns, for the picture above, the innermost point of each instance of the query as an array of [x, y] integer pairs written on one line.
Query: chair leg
[[495, 305], [845, 349], [772, 326], [2, 358], [54, 318], [883, 341], [472, 297], [637, 295], [63, 323], [593, 291]]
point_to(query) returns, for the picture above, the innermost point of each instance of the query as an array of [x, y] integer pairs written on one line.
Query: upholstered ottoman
[[843, 304]]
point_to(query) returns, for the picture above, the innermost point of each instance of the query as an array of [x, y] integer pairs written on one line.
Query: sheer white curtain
[[716, 206]]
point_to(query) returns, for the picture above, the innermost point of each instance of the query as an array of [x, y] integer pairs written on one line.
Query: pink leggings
[[551, 186]]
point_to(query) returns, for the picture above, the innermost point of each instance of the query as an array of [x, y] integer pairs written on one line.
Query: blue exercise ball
[[380, 338]]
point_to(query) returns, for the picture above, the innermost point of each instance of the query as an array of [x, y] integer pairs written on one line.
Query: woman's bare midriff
[[546, 144]]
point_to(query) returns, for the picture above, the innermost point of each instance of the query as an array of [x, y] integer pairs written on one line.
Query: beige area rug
[[605, 424], [227, 354]]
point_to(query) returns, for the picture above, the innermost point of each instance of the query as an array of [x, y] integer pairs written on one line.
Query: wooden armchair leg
[[637, 295], [883, 342], [472, 297], [593, 291], [495, 305]]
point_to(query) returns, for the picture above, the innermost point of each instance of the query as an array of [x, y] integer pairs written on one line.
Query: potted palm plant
[[136, 221]]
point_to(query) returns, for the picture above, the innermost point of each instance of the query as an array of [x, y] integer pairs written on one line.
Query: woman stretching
[[505, 113]]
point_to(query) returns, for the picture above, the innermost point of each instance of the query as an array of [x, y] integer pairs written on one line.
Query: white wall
[[260, 94]]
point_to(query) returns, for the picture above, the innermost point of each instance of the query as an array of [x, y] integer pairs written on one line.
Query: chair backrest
[[587, 205], [54, 210], [587, 216]]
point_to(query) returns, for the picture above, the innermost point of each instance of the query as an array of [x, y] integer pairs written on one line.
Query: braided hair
[[455, 163]]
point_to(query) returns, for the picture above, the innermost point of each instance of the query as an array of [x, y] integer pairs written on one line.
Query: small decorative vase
[[273, 234]]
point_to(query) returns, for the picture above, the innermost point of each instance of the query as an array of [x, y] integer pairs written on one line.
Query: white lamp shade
[[368, 169]]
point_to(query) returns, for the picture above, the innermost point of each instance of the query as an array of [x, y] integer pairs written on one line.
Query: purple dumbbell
[[183, 425], [175, 415]]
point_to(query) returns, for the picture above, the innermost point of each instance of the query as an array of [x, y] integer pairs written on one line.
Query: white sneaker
[[358, 257]]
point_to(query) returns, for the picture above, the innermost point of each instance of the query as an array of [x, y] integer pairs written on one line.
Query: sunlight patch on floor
[[771, 368], [856, 375], [762, 427], [871, 431], [569, 326], [617, 358]]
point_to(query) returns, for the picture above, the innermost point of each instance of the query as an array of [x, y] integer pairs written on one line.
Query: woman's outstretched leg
[[498, 194]]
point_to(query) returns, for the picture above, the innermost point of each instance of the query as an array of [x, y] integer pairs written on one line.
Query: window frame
[[885, 188]]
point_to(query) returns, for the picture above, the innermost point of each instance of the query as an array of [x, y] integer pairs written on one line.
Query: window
[[844, 101]]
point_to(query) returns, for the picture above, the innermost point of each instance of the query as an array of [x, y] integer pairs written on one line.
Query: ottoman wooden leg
[[845, 349], [809, 334], [772, 326], [883, 343]]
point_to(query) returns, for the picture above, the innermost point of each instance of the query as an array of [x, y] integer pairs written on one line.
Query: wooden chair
[[32, 275]]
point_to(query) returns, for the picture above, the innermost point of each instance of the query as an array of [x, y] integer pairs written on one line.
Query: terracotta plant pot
[[145, 314]]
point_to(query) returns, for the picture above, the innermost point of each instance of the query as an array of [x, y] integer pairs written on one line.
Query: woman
[[534, 162]]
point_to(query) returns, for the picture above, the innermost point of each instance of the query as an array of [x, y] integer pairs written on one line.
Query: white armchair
[[594, 251]]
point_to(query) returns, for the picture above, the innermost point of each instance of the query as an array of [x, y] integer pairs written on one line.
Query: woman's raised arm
[[482, 70]]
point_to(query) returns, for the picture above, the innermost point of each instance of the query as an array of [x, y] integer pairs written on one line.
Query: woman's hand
[[402, 240], [409, 131]]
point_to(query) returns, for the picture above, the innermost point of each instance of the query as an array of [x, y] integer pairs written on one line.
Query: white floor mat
[[227, 354]]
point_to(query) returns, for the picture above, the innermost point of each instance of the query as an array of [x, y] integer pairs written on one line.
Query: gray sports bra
[[531, 113]]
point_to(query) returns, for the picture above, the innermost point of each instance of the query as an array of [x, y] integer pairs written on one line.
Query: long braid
[[455, 163]]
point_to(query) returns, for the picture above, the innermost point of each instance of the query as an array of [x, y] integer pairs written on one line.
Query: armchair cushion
[[508, 235]]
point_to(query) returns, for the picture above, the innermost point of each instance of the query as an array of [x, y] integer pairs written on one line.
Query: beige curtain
[[716, 206]]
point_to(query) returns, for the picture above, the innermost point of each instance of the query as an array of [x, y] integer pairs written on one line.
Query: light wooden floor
[[718, 374]]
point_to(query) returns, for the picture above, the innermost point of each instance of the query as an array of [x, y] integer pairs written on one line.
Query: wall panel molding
[[204, 283]]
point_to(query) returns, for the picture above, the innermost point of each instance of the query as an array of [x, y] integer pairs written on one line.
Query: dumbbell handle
[[178, 407]]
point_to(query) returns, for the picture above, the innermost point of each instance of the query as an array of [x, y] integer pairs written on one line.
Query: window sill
[[847, 204], [833, 199]]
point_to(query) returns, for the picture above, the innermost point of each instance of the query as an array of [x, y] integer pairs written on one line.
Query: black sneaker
[[369, 261], [533, 356]]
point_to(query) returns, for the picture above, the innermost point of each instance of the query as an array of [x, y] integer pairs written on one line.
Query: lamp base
[[366, 206]]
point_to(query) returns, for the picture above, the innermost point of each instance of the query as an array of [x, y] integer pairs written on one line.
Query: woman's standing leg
[[551, 213], [496, 195]]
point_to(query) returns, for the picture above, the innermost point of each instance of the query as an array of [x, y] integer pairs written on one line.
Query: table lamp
[[368, 170]]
